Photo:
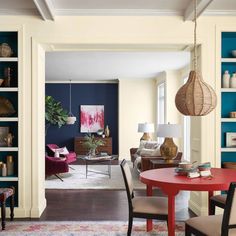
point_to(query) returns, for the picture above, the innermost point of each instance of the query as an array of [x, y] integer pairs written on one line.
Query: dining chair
[[142, 207], [216, 225], [217, 201]]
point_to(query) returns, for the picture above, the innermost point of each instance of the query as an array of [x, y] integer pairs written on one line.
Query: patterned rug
[[86, 228]]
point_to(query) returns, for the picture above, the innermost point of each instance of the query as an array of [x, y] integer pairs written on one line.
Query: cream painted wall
[[136, 105], [105, 33]]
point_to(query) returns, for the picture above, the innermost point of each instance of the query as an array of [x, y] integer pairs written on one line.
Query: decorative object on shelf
[[232, 114], [4, 169], [1, 82], [5, 50], [168, 149], [54, 113], [91, 118], [10, 165], [233, 52], [107, 131], [9, 139], [91, 143], [146, 129], [4, 131], [226, 79], [6, 107], [7, 77], [230, 139], [71, 119], [100, 132], [196, 97], [233, 81]]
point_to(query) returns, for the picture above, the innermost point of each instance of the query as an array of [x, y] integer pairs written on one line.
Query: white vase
[[233, 81], [226, 79]]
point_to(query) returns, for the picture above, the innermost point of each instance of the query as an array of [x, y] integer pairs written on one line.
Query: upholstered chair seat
[[216, 225], [151, 205]]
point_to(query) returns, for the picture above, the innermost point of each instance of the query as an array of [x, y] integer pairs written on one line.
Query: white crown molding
[[116, 12], [219, 13], [17, 12]]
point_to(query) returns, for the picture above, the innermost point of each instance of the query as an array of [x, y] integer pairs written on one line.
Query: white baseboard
[[199, 211], [18, 212], [37, 211]]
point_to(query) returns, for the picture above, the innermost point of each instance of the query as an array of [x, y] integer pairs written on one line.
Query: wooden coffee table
[[104, 160]]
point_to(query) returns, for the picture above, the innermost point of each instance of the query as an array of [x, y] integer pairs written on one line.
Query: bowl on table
[[181, 171], [185, 165]]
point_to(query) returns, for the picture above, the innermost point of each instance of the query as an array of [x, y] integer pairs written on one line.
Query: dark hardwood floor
[[95, 205]]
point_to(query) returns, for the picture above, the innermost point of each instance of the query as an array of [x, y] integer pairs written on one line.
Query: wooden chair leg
[[187, 230], [212, 208], [3, 214], [130, 225], [12, 203]]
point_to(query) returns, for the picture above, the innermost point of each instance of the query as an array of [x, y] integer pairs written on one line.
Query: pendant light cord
[[70, 97], [195, 35]]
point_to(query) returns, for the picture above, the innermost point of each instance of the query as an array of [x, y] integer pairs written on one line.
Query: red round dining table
[[171, 184]]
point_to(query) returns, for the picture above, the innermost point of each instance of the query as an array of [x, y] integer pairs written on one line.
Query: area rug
[[86, 228], [76, 179]]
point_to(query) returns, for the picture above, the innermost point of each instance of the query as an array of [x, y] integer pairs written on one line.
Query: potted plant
[[54, 113], [91, 143]]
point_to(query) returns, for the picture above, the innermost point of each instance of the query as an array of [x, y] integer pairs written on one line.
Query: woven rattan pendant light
[[196, 97]]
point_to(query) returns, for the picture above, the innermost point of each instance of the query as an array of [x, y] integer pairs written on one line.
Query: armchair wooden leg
[[3, 214], [130, 225]]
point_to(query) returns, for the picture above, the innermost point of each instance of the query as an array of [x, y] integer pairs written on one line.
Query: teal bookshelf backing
[[228, 98]]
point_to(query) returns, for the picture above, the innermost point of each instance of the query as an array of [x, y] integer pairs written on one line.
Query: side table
[[157, 164]]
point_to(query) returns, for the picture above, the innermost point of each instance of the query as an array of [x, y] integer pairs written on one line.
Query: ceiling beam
[[201, 7], [46, 9]]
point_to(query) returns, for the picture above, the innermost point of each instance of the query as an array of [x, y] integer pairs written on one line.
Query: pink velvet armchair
[[71, 157], [55, 166]]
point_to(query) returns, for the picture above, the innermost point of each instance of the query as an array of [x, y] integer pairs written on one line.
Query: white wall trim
[[219, 13], [197, 209], [25, 12], [83, 82], [117, 12]]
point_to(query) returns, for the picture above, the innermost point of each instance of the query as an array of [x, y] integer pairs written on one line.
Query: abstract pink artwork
[[91, 118]]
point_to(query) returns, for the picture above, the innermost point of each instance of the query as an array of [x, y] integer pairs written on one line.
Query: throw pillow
[[146, 152], [64, 151], [153, 145]]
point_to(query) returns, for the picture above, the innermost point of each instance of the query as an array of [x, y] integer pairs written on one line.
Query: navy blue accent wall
[[84, 94]]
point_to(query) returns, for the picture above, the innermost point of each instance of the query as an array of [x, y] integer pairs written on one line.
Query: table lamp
[[169, 131], [146, 128]]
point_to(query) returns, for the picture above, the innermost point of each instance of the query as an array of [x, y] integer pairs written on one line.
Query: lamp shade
[[169, 131], [145, 127]]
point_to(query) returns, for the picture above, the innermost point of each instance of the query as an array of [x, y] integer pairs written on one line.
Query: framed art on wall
[[230, 139], [91, 118]]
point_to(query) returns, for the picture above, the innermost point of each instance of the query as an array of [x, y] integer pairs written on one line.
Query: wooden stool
[[4, 194]]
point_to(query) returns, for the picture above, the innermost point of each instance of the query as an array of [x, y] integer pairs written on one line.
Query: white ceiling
[[63, 66], [49, 9]]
